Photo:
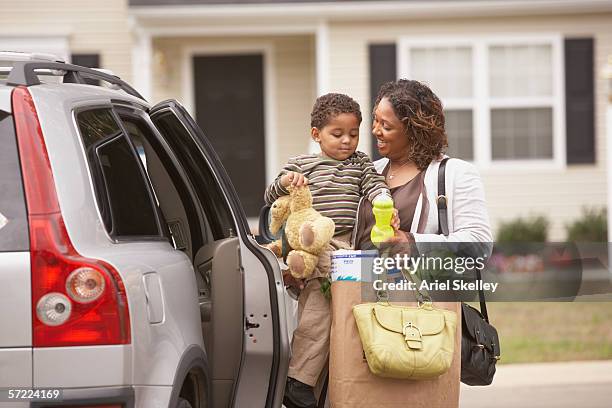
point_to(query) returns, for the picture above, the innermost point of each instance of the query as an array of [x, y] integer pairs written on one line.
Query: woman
[[408, 124]]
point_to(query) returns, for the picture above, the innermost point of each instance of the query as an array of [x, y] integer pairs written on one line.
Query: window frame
[[14, 231], [482, 102], [214, 223], [132, 112], [160, 237]]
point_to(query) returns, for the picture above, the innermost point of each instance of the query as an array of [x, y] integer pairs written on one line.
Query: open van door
[[240, 283]]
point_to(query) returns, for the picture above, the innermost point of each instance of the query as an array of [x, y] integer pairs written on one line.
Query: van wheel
[[183, 403]]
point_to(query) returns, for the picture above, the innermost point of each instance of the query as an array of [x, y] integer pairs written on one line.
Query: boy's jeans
[[310, 344]]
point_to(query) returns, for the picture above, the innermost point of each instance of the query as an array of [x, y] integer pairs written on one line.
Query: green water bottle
[[383, 212]]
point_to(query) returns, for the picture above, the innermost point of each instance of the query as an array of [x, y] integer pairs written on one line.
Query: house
[[521, 80], [91, 33]]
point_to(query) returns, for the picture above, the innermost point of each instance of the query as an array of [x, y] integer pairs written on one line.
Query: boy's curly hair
[[422, 113], [329, 105]]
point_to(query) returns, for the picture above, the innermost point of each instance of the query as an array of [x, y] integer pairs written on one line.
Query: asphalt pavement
[[586, 384], [575, 384]]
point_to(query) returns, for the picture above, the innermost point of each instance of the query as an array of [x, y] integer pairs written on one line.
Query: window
[[450, 69], [175, 196], [502, 97], [13, 215], [121, 189], [89, 61], [200, 175], [460, 131], [520, 133], [86, 60]]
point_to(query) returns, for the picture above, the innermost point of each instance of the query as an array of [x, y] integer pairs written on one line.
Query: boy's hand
[[289, 280], [294, 179]]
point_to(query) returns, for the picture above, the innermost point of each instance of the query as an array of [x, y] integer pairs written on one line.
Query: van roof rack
[[26, 73], [29, 56]]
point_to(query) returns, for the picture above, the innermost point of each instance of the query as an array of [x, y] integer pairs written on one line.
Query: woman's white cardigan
[[468, 219]]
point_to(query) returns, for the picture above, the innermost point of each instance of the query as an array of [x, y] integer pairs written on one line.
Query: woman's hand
[[395, 220], [401, 243], [293, 178], [400, 237]]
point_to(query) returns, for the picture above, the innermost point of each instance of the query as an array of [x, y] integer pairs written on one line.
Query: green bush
[[519, 230], [592, 226]]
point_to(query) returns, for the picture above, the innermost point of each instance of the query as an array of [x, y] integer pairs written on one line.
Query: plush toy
[[307, 231]]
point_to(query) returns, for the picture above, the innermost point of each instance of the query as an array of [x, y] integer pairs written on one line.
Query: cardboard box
[[349, 265]]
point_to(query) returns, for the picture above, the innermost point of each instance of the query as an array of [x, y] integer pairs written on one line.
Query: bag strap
[[481, 296], [382, 296], [442, 202]]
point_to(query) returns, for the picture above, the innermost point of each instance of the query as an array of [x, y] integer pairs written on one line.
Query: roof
[[229, 2], [168, 12]]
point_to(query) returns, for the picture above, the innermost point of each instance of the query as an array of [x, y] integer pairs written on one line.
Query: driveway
[[585, 384]]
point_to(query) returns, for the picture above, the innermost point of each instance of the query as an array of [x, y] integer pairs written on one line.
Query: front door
[[229, 104]]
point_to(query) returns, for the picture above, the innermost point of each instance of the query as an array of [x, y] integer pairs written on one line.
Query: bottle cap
[[383, 200]]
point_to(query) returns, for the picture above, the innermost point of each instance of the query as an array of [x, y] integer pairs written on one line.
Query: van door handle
[[250, 325]]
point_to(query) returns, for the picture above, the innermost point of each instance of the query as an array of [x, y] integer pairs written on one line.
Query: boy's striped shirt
[[336, 186]]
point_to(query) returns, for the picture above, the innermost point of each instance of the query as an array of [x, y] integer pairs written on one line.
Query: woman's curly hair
[[421, 111], [330, 105]]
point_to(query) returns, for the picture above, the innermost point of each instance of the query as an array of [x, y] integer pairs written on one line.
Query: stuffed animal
[[308, 232]]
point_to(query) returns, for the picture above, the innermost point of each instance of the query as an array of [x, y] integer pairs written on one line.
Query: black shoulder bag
[[479, 340]]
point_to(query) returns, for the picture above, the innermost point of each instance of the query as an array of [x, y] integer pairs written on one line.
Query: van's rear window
[[13, 215]]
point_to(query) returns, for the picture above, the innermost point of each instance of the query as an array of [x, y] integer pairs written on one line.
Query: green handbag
[[410, 343]]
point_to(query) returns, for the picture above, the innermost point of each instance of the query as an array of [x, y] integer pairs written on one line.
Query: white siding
[[510, 193], [99, 27]]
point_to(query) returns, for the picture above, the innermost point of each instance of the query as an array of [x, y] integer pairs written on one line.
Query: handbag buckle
[[413, 336], [442, 201]]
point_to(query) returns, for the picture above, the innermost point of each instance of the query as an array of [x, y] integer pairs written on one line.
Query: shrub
[[592, 226], [519, 230]]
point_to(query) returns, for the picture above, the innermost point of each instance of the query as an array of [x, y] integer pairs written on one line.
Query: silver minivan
[[128, 274]]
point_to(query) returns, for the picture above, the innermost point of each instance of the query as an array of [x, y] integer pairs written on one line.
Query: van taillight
[[76, 301]]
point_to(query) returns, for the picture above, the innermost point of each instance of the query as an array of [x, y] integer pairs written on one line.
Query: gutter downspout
[[142, 57]]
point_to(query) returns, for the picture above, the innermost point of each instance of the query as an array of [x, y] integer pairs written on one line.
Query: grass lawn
[[547, 331]]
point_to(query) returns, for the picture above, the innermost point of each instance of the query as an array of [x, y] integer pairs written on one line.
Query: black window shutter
[[382, 69], [89, 61], [86, 60], [579, 101]]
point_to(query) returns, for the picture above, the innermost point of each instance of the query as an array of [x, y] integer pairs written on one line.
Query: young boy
[[337, 177]]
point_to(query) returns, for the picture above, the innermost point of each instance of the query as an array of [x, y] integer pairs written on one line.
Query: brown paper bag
[[352, 385]]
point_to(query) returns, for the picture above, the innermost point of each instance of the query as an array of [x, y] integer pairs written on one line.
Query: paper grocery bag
[[352, 385]]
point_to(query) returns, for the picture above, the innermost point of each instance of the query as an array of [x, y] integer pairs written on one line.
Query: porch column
[[142, 55], [608, 76], [322, 61], [323, 55]]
